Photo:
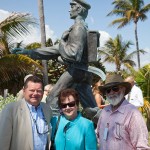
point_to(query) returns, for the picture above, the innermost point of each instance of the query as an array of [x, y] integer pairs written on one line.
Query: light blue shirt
[[39, 127]]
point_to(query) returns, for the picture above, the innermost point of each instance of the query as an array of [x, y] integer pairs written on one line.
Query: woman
[[74, 131], [98, 95]]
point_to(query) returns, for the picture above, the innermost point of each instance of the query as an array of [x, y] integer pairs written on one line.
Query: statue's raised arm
[[45, 53]]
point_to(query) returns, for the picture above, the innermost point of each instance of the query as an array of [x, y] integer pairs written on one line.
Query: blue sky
[[57, 21]]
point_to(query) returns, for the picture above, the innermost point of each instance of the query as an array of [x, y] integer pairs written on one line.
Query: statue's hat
[[81, 2]]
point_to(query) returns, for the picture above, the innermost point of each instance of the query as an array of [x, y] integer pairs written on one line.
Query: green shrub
[[4, 101], [146, 112]]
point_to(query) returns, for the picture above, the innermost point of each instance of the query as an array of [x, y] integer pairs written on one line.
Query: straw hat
[[113, 80]]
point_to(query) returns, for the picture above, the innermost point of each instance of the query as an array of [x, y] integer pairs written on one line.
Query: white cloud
[[3, 14], [50, 33], [104, 36], [34, 35]]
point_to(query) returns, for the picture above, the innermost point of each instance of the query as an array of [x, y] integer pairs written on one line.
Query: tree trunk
[[148, 87], [43, 39], [137, 46]]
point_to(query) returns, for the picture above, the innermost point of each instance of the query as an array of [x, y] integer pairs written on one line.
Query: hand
[[19, 51]]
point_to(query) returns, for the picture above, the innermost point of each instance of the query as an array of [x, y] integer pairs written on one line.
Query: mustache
[[115, 99]]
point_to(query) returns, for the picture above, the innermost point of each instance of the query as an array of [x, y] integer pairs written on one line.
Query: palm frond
[[11, 65], [128, 11], [115, 51], [17, 24]]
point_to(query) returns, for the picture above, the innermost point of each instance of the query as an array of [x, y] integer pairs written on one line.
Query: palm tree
[[143, 80], [130, 11], [16, 24], [14, 66], [43, 39], [115, 52]]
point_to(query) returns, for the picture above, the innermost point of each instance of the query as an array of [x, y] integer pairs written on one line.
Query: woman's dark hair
[[34, 79], [66, 93]]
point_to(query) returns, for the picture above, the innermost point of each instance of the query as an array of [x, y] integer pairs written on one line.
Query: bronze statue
[[72, 50]]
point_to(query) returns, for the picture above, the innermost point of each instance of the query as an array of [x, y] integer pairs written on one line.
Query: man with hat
[[135, 96], [120, 125], [71, 51]]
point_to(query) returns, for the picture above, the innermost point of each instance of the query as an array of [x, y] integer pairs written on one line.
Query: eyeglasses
[[114, 88], [70, 104], [39, 130]]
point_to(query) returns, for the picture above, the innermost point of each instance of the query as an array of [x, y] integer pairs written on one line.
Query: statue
[[72, 50]]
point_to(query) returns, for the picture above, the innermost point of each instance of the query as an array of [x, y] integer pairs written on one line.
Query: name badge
[[106, 132]]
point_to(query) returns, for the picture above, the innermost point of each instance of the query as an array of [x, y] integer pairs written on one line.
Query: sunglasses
[[114, 88], [70, 104]]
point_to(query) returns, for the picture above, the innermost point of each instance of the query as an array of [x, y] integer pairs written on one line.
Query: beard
[[115, 99]]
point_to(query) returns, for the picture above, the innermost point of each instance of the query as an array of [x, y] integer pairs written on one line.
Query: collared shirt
[[39, 127], [77, 134], [123, 129], [135, 97]]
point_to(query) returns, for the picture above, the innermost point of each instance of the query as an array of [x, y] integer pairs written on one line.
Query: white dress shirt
[[135, 97]]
